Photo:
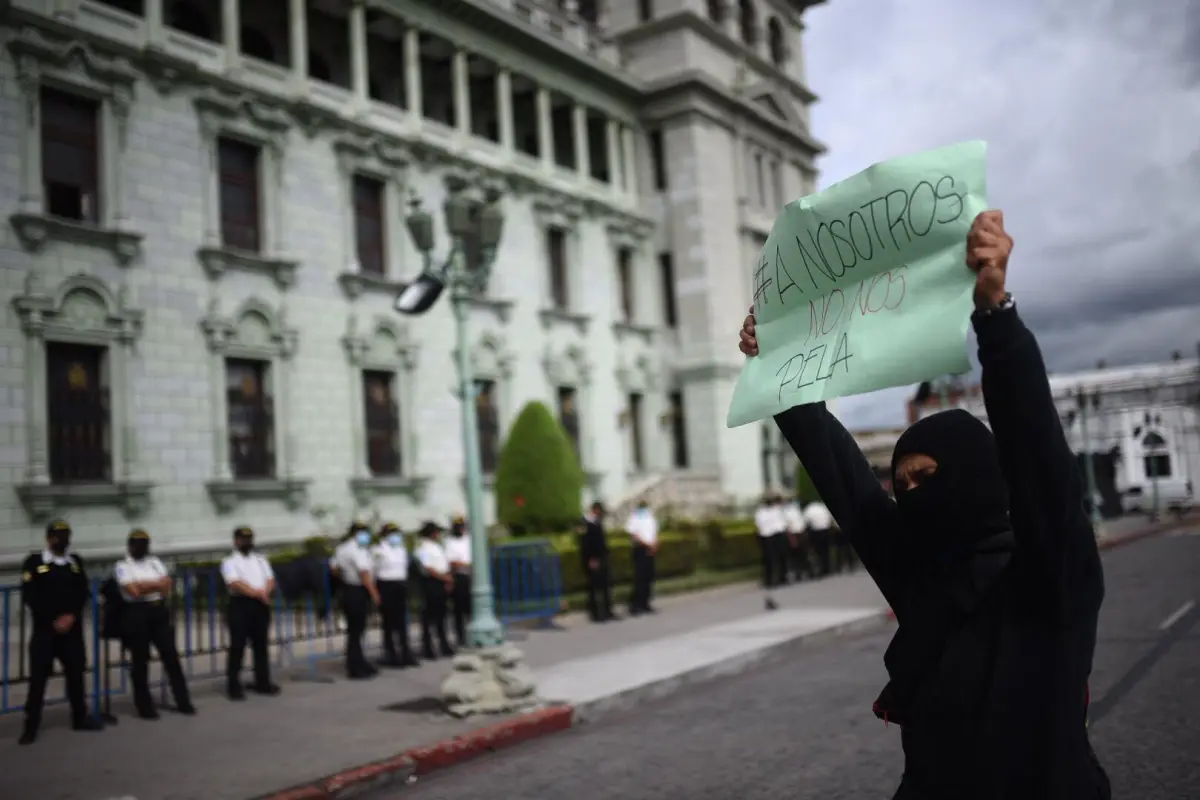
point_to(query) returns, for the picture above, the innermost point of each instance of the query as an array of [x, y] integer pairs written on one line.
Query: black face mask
[[965, 500], [244, 546], [457, 530], [139, 550], [58, 543]]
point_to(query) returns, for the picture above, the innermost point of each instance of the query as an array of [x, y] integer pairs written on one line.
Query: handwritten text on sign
[[864, 285]]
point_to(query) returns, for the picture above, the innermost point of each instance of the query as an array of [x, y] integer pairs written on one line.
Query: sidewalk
[[237, 751]]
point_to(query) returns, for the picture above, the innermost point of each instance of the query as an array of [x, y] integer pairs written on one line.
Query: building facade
[[206, 203]]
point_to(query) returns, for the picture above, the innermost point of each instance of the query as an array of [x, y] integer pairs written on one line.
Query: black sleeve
[[81, 587], [29, 582], [1046, 494], [848, 487]]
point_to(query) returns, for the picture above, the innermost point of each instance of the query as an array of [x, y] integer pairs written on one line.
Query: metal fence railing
[[527, 585]]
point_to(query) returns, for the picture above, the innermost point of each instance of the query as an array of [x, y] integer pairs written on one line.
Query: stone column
[[408, 418], [278, 243], [355, 350], [412, 73], [630, 154], [462, 93], [359, 65], [286, 436], [154, 23], [545, 129], [118, 216], [36, 470], [616, 170], [231, 26], [210, 188], [29, 78], [583, 155], [298, 40], [504, 108], [220, 413]]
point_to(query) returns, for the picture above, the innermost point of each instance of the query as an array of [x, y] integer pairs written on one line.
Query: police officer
[[458, 551], [146, 620], [251, 583], [391, 573], [55, 589], [436, 582], [642, 528], [353, 564], [593, 550]]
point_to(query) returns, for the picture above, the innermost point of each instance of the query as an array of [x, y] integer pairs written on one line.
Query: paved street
[[800, 726]]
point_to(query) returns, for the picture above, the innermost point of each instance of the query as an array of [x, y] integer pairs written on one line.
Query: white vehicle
[[1174, 494]]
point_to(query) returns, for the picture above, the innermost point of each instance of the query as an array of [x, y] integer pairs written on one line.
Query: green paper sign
[[864, 285]]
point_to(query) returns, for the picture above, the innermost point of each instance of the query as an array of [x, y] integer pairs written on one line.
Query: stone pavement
[[237, 751]]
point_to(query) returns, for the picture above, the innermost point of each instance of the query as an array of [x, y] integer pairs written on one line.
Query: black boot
[[28, 733]]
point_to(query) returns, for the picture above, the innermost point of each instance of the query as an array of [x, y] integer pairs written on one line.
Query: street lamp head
[[491, 221], [420, 226], [459, 216], [419, 296]]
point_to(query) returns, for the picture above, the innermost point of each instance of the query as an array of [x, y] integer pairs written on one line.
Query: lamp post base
[[491, 680]]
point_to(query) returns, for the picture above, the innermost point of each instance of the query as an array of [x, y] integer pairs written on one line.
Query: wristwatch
[[1006, 304]]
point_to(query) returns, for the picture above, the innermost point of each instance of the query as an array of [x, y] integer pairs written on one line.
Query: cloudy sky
[[1091, 110]]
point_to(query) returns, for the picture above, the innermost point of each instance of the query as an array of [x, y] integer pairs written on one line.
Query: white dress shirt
[[817, 516], [458, 549], [65, 560], [253, 570], [127, 571], [769, 520], [432, 556], [794, 518], [391, 561], [352, 559], [643, 526]]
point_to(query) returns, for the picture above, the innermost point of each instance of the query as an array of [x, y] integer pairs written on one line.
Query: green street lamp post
[[494, 681], [1089, 468]]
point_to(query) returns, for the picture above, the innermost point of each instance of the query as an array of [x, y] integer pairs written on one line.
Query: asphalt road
[[801, 727]]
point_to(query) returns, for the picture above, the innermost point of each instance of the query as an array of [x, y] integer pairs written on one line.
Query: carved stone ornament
[[46, 501], [227, 495], [638, 376], [629, 231], [569, 367], [256, 330], [83, 308], [35, 230], [219, 260], [492, 680], [553, 209], [491, 359], [219, 109], [367, 489], [557, 316], [356, 150], [34, 49]]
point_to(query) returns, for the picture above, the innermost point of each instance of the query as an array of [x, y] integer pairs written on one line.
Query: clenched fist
[[746, 342], [988, 248]]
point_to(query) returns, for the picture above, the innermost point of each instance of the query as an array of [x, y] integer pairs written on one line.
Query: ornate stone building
[[205, 203]]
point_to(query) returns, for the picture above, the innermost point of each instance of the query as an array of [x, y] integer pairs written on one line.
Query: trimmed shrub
[[539, 484]]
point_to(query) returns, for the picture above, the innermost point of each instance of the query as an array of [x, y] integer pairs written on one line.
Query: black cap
[[139, 534], [242, 530], [389, 528], [458, 519], [430, 528], [57, 526]]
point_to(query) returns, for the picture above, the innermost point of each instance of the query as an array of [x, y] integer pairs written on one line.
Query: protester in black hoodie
[[990, 563]]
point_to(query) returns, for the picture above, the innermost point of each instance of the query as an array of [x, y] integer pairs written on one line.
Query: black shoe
[[447, 651], [360, 675], [148, 713], [409, 660], [428, 654], [235, 693], [87, 724], [187, 709], [269, 690], [28, 735], [390, 663], [770, 604]]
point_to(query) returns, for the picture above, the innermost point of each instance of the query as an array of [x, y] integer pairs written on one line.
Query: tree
[[539, 483], [806, 492]]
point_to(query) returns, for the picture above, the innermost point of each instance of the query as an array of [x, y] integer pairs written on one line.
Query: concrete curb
[[1145, 533], [553, 718]]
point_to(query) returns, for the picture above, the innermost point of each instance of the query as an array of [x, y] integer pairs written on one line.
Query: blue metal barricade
[[527, 580]]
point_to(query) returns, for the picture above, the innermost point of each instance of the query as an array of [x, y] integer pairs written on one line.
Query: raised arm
[[848, 487], [1046, 494]]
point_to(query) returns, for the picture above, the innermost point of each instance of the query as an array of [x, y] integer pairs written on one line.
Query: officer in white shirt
[[436, 583], [145, 620], [458, 551], [251, 583], [771, 524], [642, 528], [819, 522], [798, 537], [391, 573], [354, 565]]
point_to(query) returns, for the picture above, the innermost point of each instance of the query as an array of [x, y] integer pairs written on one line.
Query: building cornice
[[713, 34], [695, 92]]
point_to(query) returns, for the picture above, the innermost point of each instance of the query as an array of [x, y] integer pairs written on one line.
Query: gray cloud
[[1090, 109]]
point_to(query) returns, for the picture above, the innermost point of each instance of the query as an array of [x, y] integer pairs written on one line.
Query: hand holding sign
[[988, 247], [862, 286]]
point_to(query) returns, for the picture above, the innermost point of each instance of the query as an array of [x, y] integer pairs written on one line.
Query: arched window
[[186, 17], [775, 42], [1156, 460], [716, 11], [256, 45], [1153, 440], [318, 67], [749, 22]]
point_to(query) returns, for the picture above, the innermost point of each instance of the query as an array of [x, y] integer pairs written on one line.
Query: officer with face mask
[[391, 571], [354, 565], [458, 551], [55, 589], [436, 580], [251, 583], [146, 620]]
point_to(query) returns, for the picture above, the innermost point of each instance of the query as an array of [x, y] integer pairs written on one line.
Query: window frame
[[99, 371], [251, 182], [371, 257], [392, 463], [89, 143], [260, 464]]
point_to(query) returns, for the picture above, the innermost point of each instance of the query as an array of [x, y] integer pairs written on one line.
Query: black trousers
[[802, 557], [774, 549], [45, 646], [356, 605], [249, 623], [462, 607], [433, 616], [599, 595], [846, 555], [821, 549], [643, 579], [394, 609], [143, 625]]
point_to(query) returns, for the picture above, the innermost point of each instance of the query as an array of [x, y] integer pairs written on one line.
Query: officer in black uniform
[[146, 620], [458, 551], [55, 588], [593, 550]]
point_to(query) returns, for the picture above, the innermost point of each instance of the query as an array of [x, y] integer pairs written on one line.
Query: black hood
[[966, 499]]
